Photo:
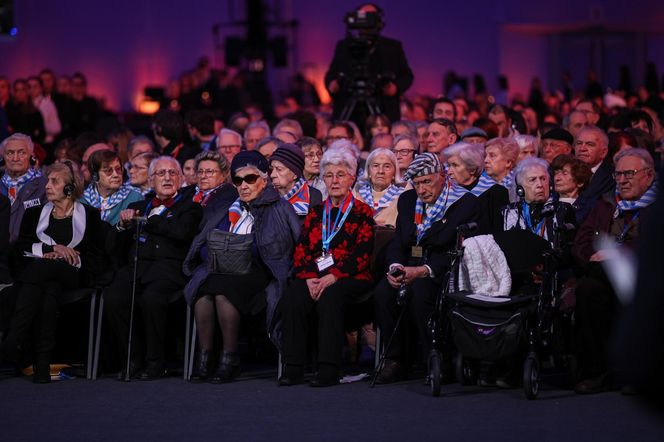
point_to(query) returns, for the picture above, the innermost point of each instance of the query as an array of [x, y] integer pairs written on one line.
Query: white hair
[[339, 156], [528, 164], [347, 145], [471, 155], [524, 141], [173, 161], [225, 131], [390, 155], [257, 124], [18, 137], [289, 123]]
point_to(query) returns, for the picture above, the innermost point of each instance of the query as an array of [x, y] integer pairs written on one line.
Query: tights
[[227, 316]]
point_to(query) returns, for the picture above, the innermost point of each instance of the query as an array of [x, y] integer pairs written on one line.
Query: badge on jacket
[[31, 203]]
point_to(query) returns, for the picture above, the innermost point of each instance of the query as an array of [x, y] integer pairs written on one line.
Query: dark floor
[[254, 408]]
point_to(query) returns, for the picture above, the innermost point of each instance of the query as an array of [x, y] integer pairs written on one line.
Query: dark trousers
[[297, 309], [41, 284], [151, 312], [596, 305], [420, 303]]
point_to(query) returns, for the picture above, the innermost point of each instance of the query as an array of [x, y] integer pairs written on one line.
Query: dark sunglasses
[[249, 179]]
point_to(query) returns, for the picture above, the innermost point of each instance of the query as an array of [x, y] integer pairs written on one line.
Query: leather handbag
[[229, 253]]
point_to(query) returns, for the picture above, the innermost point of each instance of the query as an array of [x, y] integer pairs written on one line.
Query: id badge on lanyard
[[326, 260]]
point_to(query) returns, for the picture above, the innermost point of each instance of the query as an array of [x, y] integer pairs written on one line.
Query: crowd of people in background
[[310, 191]]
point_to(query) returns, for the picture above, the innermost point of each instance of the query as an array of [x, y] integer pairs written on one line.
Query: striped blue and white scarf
[[92, 198], [366, 193], [299, 197], [19, 182], [450, 194], [646, 199], [484, 183], [508, 180]]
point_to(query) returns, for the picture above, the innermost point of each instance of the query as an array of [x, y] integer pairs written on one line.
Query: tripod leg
[[348, 109]]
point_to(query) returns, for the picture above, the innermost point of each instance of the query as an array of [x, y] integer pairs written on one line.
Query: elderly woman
[[58, 249], [465, 167], [405, 148], [570, 177], [381, 188], [106, 191], [499, 163], [271, 221], [138, 172], [532, 179], [331, 270], [528, 147], [313, 152], [212, 169], [286, 172]]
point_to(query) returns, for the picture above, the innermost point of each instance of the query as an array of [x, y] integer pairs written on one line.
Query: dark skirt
[[245, 292]]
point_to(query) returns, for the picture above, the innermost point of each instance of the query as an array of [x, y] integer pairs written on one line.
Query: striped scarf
[[508, 180], [299, 197], [92, 198], [235, 212], [450, 195], [15, 186], [366, 193], [646, 199], [484, 183]]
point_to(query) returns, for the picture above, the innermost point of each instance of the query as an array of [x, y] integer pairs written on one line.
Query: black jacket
[[437, 241], [164, 240], [600, 183]]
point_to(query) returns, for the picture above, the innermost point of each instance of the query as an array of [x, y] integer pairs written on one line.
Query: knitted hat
[[560, 134], [290, 156], [249, 158], [423, 164]]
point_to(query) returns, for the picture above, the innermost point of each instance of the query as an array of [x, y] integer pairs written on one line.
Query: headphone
[[94, 173], [69, 188]]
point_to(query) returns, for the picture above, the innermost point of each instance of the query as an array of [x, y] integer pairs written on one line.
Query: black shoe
[[327, 376], [42, 373], [228, 369], [152, 372], [292, 375], [201, 370], [392, 372]]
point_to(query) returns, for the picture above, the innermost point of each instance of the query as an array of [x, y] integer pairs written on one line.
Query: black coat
[[5, 277], [387, 60], [600, 183], [437, 241], [165, 240]]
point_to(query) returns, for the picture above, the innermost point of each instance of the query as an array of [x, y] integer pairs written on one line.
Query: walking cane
[[139, 220], [401, 302]]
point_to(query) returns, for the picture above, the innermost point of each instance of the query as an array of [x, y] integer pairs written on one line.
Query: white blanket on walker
[[484, 267]]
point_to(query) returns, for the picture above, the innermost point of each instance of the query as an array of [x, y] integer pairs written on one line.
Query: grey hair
[[471, 155], [412, 139], [524, 141], [508, 148], [290, 123], [269, 139], [18, 137], [527, 164], [225, 131], [140, 139], [601, 135], [376, 138], [393, 159], [339, 156], [412, 130], [214, 156], [346, 145], [257, 124], [254, 168], [173, 161], [637, 152], [307, 142], [147, 156]]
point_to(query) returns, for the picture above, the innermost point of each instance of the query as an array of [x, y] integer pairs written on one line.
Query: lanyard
[[620, 239], [330, 231], [537, 230]]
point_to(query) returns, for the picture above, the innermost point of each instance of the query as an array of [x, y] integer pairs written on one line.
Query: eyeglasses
[[162, 173], [137, 167], [109, 170], [627, 174], [403, 152], [207, 172], [312, 155], [230, 146], [340, 176], [249, 179]]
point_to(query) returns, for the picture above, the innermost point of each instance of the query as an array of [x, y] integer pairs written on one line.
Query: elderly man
[[444, 108], [255, 131], [163, 242], [21, 183], [556, 141], [426, 229], [229, 143], [619, 215], [592, 146], [576, 121], [440, 134], [287, 174]]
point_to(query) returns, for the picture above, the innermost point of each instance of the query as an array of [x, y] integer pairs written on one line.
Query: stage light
[[148, 106]]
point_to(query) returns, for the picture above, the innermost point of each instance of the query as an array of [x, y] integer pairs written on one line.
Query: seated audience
[[313, 152], [405, 148], [499, 163], [138, 172], [570, 177], [332, 268], [286, 172], [271, 221], [212, 170]]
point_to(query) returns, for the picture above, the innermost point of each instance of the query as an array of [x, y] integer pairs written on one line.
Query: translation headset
[[69, 188]]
